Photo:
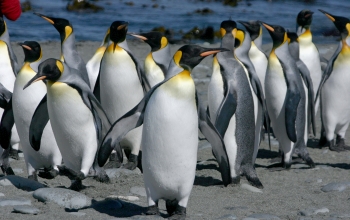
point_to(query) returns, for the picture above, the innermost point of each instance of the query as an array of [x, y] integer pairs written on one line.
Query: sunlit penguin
[[77, 119], [335, 107], [120, 86], [24, 103], [231, 108], [157, 61], [69, 53], [93, 65], [169, 116], [286, 99]]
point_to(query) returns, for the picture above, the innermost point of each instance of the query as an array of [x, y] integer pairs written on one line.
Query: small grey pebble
[[229, 216], [14, 201], [313, 211], [26, 209], [262, 216], [138, 190], [78, 214], [336, 186], [20, 183]]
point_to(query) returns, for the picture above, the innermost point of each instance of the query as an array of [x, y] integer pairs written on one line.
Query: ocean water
[[177, 15]]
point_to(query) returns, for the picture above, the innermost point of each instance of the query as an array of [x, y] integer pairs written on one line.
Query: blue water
[[176, 15]]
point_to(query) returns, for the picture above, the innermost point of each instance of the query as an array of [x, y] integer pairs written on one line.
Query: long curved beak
[[138, 36], [50, 20], [213, 51], [33, 80]]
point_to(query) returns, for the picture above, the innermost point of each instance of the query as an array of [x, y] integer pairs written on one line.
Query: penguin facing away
[[69, 53], [157, 61], [93, 65], [286, 99], [24, 103], [231, 108], [120, 86], [170, 145], [335, 112], [77, 119]]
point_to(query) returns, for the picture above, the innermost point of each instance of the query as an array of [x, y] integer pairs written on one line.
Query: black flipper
[[97, 89], [13, 60], [140, 72], [305, 74], [7, 122], [5, 96], [39, 121], [217, 143]]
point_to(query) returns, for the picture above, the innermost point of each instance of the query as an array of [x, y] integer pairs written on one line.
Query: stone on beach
[[262, 216], [14, 201], [21, 183], [313, 211], [117, 172], [336, 186], [26, 209]]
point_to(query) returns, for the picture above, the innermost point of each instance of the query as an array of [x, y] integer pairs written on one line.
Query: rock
[[343, 215], [228, 217], [13, 202], [77, 213], [262, 216], [83, 5], [26, 209], [251, 188], [137, 190], [313, 211], [26, 6], [126, 198], [64, 197], [20, 183], [341, 186], [117, 172]]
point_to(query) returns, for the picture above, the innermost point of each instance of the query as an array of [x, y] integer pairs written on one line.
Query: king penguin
[[120, 86], [242, 46], [8, 73], [77, 119], [169, 116], [69, 53], [231, 108], [335, 110], [286, 99], [93, 65], [24, 103], [157, 61]]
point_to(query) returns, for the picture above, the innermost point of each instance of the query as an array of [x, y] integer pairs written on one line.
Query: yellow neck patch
[[111, 48], [177, 57], [222, 32], [239, 36], [60, 66], [163, 42], [68, 30]]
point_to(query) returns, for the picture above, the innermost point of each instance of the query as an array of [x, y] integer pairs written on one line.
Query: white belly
[[215, 92], [93, 66], [7, 76], [152, 71], [259, 61], [73, 126]]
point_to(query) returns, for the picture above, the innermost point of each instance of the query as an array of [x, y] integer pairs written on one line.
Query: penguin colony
[[70, 118]]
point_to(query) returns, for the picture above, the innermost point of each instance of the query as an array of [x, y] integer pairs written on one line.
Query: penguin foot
[[279, 166], [152, 210], [340, 143], [14, 154], [77, 185], [7, 170], [48, 174], [171, 206], [132, 163], [102, 177], [323, 141], [71, 174], [310, 162], [333, 147], [179, 214], [254, 181], [33, 176]]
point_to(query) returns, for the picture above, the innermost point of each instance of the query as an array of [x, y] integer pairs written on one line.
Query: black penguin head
[[253, 28], [32, 51], [278, 34], [341, 23], [63, 26], [239, 38], [292, 37], [51, 69], [228, 27], [2, 26], [154, 38], [304, 18], [118, 31], [190, 56]]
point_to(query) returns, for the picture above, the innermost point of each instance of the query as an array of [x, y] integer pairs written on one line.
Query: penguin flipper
[[5, 96], [217, 143], [226, 110], [142, 77], [7, 122], [106, 124], [39, 120], [13, 59], [97, 88], [305, 74]]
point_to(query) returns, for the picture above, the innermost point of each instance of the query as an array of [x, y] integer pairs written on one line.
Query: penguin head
[[278, 34], [228, 27], [190, 56], [118, 31], [2, 26], [253, 28], [292, 37], [63, 26], [154, 38], [341, 23], [304, 18], [51, 69], [240, 35], [32, 51]]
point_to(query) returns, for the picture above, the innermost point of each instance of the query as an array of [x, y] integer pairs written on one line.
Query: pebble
[[228, 217], [313, 211], [78, 214], [21, 183], [138, 190], [13, 202], [262, 216], [340, 186], [126, 198], [64, 197], [343, 215], [26, 209], [117, 172], [251, 188]]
